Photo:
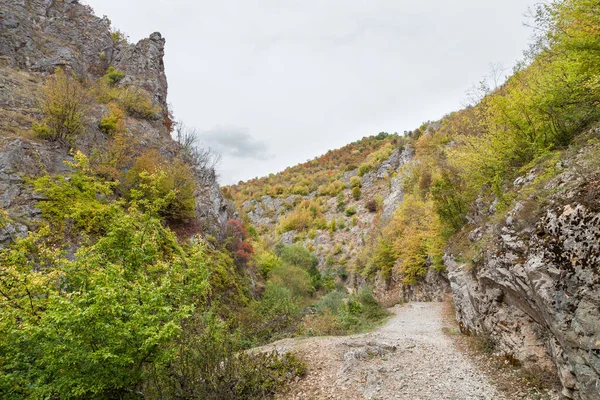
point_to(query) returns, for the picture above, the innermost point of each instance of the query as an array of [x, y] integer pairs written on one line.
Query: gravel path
[[409, 357]]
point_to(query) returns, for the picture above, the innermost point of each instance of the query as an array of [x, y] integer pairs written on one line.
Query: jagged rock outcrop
[[41, 35], [38, 36], [536, 289]]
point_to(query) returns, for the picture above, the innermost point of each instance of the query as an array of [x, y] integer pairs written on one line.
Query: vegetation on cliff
[[476, 153]]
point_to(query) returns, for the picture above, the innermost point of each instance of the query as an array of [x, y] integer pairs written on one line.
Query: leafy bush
[[363, 169], [81, 203], [355, 182], [273, 316], [126, 313], [166, 188], [134, 100], [341, 202], [333, 189], [294, 278], [266, 261], [113, 121], [138, 103], [350, 211], [356, 193], [64, 102], [92, 326], [306, 216], [339, 314], [209, 365], [297, 255], [114, 76]]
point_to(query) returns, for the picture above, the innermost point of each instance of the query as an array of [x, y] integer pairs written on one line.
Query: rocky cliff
[[349, 228], [534, 286], [36, 38]]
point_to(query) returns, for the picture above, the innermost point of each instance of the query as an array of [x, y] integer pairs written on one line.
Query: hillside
[[496, 203], [331, 204]]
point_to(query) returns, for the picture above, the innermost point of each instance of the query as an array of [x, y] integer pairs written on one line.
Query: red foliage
[[246, 248], [235, 228], [371, 205], [242, 256], [169, 119], [237, 234]]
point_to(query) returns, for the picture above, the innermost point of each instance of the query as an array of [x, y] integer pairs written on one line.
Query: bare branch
[[203, 160]]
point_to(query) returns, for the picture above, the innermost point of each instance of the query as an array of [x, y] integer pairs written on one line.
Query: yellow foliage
[[114, 121], [171, 182], [418, 236], [64, 102], [134, 100], [307, 215]]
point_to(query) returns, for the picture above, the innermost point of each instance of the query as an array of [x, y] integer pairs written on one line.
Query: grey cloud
[[235, 142]]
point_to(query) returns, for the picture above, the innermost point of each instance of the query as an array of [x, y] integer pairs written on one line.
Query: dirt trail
[[410, 357]]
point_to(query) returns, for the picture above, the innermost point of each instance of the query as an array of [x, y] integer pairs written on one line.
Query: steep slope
[[500, 199], [119, 265], [37, 37], [336, 206], [533, 283]]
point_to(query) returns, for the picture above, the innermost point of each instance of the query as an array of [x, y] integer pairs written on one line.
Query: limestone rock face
[[144, 62], [41, 35], [536, 292], [38, 36]]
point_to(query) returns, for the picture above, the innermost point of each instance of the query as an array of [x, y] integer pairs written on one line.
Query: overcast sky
[[271, 83]]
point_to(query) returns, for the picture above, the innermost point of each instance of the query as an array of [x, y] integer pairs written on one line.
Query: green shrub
[[137, 103], [208, 365], [297, 255], [350, 211], [334, 301], [340, 314], [63, 102], [364, 169], [341, 202], [333, 189], [332, 227], [94, 326], [295, 279], [81, 203], [356, 193], [166, 188], [114, 76], [355, 182], [114, 121], [118, 37], [267, 261], [42, 131], [273, 315]]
